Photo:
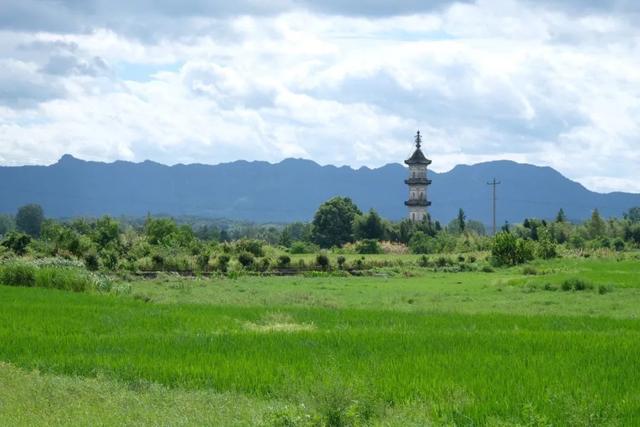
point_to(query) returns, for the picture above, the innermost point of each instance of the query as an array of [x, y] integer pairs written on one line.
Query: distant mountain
[[293, 189]]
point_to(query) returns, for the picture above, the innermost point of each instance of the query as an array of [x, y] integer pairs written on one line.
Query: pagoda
[[417, 182]]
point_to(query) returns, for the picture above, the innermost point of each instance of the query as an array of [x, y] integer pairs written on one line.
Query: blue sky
[[340, 82]]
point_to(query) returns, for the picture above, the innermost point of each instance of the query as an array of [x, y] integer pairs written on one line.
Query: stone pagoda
[[417, 183]]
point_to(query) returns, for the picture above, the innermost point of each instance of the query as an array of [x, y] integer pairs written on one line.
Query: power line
[[494, 183]]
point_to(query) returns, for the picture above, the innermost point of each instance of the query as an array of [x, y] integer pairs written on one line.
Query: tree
[[596, 225], [561, 217], [477, 227], [106, 231], [632, 215], [6, 224], [333, 222], [29, 219], [159, 230], [369, 226], [461, 220]]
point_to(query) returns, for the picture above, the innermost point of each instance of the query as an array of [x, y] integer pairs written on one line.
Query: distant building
[[417, 183]]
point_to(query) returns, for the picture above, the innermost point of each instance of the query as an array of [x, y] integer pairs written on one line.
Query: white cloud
[[490, 80]]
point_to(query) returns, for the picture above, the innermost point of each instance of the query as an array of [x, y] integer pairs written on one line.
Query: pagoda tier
[[417, 181], [417, 202]]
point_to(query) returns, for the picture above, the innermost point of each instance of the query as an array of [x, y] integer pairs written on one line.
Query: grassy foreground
[[441, 348]]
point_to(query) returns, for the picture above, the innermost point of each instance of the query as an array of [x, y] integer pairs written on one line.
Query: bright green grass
[[454, 367], [438, 348], [504, 291], [34, 398]]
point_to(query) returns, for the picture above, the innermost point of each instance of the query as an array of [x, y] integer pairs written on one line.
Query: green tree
[[477, 227], [596, 226], [461, 220], [632, 215], [106, 231], [29, 219], [6, 224], [561, 217], [333, 222], [159, 230], [369, 226]]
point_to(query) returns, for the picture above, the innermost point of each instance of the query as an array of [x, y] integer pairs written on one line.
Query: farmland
[[516, 346]]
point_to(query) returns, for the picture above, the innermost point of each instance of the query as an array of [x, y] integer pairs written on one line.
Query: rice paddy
[[502, 348]]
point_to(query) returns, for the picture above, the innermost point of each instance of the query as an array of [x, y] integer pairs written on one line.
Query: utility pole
[[493, 184]]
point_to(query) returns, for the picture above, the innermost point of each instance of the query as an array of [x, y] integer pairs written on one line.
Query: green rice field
[[395, 348]]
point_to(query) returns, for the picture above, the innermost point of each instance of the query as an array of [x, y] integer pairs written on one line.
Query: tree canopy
[[29, 219], [332, 222]]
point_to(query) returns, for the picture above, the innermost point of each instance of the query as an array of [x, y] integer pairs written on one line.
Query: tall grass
[[459, 369], [50, 276]]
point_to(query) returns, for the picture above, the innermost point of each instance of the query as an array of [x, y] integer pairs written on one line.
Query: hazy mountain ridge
[[293, 189]]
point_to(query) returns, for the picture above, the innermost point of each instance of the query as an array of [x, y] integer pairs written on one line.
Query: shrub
[[223, 263], [254, 247], [284, 261], [109, 258], [264, 264], [461, 258], [158, 261], [472, 258], [91, 261], [202, 261], [442, 261], [507, 249], [17, 242], [424, 261], [299, 247], [604, 289], [18, 274], [576, 285], [341, 262], [618, 244], [487, 269], [368, 246], [529, 270], [246, 259], [322, 261], [546, 248]]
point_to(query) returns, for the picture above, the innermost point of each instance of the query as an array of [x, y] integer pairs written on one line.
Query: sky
[[343, 82]]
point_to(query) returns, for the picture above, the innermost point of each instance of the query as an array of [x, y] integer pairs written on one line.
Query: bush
[[487, 269], [18, 274], [322, 261], [576, 285], [91, 261], [618, 244], [604, 289], [246, 259], [507, 249], [341, 262], [284, 261], [529, 270], [368, 246], [254, 247], [300, 247], [223, 263], [17, 242], [424, 261]]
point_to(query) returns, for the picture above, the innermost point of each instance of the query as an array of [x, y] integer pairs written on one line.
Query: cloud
[[210, 82]]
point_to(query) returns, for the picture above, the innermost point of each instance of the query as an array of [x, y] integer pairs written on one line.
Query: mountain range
[[293, 189]]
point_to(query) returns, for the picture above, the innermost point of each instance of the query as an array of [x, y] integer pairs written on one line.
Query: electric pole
[[493, 184]]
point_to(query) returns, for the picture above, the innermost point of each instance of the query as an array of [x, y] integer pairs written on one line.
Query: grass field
[[501, 348]]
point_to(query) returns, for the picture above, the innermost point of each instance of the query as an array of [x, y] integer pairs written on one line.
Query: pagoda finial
[[418, 139]]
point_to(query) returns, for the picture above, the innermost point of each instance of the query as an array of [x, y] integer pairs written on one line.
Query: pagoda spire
[[418, 140]]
